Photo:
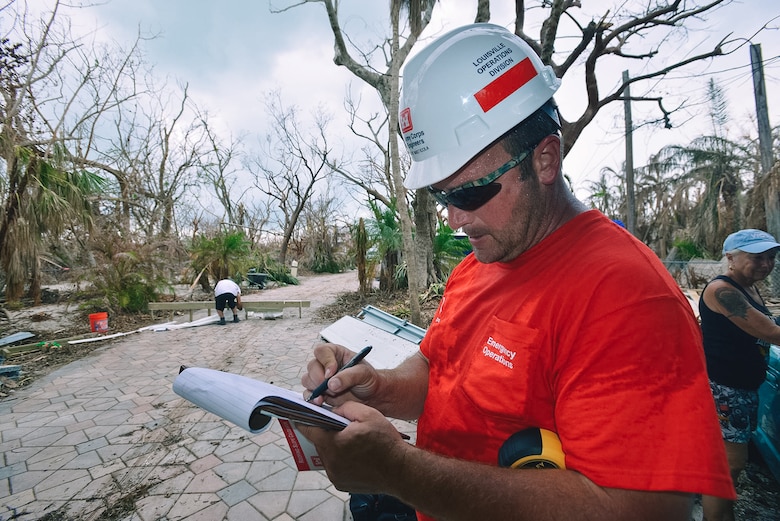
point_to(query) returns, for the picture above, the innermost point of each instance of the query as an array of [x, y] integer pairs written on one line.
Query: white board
[[389, 350]]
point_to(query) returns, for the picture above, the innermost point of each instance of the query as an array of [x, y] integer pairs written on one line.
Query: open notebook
[[252, 404]]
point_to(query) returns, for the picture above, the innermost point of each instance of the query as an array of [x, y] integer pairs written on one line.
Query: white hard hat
[[462, 92]]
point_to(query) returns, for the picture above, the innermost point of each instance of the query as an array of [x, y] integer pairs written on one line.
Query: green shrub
[[135, 295], [687, 250], [127, 275], [264, 263], [217, 257]]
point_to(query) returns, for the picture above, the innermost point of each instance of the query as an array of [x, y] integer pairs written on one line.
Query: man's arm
[[369, 456], [449, 489], [402, 390]]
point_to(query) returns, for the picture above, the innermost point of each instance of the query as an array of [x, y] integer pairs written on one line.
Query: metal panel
[[392, 324], [389, 350]]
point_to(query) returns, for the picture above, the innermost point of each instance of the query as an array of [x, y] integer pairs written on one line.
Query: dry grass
[[395, 303]]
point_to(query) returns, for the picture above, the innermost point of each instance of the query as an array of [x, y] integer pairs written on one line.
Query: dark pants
[[226, 300]]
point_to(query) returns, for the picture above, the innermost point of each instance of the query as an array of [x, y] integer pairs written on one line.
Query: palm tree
[[607, 195], [365, 268], [663, 204], [709, 171], [713, 169], [448, 250], [42, 197], [219, 257], [384, 231]]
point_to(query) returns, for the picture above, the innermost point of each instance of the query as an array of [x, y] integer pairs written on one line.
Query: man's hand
[[358, 383], [362, 457]]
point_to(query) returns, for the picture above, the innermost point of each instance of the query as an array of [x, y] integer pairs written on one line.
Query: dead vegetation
[[395, 303], [49, 349]]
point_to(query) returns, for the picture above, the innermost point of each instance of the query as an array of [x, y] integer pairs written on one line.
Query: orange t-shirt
[[586, 335]]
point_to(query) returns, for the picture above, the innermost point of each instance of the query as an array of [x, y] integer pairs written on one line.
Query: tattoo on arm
[[732, 301]]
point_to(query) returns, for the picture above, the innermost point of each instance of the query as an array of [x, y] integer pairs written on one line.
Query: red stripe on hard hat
[[502, 87]]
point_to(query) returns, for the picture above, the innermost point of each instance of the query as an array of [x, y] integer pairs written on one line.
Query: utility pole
[[762, 112], [771, 196], [630, 199]]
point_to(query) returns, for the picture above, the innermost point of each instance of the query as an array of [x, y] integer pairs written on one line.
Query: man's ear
[[547, 159]]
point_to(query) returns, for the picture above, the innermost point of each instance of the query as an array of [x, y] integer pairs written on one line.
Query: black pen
[[324, 385]]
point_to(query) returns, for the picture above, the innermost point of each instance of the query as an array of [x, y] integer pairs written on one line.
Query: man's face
[[507, 224]]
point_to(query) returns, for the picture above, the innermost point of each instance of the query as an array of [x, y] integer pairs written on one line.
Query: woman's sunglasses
[[474, 194]]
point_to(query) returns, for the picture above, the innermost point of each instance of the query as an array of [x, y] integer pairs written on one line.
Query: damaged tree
[[42, 190], [647, 34]]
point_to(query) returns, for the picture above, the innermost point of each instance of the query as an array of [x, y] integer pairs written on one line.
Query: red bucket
[[98, 322]]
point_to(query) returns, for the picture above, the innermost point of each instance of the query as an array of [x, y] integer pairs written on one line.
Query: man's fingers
[[354, 411], [328, 358], [309, 432], [324, 364], [347, 379]]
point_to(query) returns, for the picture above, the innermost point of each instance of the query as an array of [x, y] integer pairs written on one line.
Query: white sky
[[232, 52]]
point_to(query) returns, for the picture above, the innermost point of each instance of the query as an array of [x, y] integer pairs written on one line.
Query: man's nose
[[457, 217]]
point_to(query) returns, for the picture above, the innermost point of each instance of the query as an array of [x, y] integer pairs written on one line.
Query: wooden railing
[[262, 306]]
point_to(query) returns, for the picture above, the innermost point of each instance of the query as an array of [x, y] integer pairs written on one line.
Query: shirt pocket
[[504, 369]]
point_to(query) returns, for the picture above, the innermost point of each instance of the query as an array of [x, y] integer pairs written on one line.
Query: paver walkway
[[107, 431]]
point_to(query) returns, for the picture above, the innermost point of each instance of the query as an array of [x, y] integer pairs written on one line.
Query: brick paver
[[107, 430]]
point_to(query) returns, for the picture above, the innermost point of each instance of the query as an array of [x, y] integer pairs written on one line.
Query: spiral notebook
[[252, 405]]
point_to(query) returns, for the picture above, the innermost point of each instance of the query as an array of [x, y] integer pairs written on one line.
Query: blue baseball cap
[[750, 241]]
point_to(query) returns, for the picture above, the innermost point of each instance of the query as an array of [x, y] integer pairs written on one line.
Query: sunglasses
[[472, 195]]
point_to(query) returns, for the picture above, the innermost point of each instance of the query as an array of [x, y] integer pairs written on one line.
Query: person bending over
[[227, 294]]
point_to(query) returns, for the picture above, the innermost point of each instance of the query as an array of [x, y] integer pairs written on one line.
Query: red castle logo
[[406, 120]]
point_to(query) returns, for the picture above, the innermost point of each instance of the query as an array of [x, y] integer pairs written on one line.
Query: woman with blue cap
[[738, 330]]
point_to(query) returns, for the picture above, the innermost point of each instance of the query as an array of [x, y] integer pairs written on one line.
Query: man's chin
[[485, 249], [484, 256]]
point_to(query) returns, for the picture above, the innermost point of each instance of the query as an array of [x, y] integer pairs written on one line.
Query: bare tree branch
[[610, 35]]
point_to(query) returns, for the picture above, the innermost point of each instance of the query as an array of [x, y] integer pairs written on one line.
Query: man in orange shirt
[[559, 320]]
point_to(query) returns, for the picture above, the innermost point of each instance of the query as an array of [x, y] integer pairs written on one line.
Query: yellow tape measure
[[532, 448]]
